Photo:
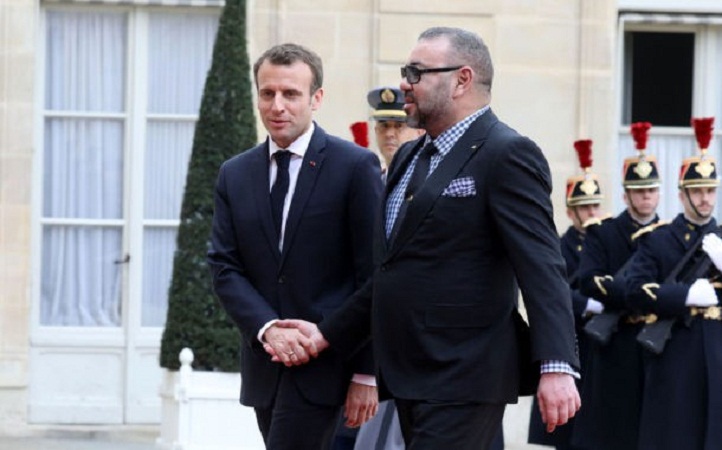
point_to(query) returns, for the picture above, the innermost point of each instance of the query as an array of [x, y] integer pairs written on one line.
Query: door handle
[[125, 260]]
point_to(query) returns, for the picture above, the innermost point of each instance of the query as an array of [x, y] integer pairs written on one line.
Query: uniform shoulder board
[[648, 229], [596, 220]]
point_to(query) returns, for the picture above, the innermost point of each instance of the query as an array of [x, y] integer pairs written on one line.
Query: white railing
[[201, 411]]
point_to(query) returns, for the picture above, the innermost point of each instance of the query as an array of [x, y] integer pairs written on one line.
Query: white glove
[[712, 245], [593, 307], [701, 294]]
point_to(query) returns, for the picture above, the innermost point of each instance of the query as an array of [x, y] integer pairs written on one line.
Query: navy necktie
[[418, 177], [280, 188], [421, 170]]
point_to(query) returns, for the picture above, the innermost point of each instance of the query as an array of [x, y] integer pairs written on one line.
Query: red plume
[[703, 131], [640, 132], [360, 131], [584, 152]]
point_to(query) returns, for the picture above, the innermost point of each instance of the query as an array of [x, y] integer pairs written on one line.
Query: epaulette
[[649, 228], [596, 220]]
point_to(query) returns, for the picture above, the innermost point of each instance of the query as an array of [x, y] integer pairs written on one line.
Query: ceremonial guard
[[675, 275], [612, 390], [583, 198]]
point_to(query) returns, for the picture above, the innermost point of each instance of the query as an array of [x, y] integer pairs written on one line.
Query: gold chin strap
[[598, 279], [647, 288]]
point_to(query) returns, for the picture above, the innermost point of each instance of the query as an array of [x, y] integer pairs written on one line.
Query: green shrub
[[226, 126]]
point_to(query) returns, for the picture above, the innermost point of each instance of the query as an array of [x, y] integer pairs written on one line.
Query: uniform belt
[[709, 313]]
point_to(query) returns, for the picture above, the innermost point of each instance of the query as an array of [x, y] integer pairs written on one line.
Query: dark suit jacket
[[443, 291], [326, 255]]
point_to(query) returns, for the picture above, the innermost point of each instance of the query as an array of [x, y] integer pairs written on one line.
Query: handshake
[[293, 342]]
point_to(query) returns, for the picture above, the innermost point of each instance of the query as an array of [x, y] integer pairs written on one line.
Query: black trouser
[[458, 426], [292, 423]]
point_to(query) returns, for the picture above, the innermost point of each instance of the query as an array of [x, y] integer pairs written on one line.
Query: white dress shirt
[[298, 151]]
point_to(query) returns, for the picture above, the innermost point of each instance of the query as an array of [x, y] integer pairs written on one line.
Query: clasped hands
[[293, 342]]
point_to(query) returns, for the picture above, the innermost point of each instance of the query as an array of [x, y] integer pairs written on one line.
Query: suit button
[[383, 268], [281, 279]]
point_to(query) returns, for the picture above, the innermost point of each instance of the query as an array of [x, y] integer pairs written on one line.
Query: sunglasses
[[413, 73]]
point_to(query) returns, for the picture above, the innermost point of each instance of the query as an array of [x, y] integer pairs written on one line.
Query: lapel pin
[[312, 163]]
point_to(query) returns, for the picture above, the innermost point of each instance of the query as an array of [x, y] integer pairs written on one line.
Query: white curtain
[[179, 56], [83, 170], [85, 61], [84, 159], [166, 164]]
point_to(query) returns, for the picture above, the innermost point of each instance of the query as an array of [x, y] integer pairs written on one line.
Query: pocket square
[[460, 187]]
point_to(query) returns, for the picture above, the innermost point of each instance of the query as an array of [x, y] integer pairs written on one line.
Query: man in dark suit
[[467, 219], [292, 237]]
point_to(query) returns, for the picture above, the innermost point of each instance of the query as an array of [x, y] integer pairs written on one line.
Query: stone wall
[[17, 75], [554, 63]]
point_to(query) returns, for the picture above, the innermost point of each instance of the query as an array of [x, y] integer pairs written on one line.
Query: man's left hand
[[315, 341], [362, 403], [558, 399]]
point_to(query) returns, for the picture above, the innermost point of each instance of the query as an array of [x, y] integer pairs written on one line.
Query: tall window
[[670, 72], [121, 95]]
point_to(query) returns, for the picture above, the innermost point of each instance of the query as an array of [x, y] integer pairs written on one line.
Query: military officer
[[390, 121], [583, 199], [612, 390], [682, 402]]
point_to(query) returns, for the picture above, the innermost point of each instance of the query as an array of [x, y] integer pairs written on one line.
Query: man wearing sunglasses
[[466, 220]]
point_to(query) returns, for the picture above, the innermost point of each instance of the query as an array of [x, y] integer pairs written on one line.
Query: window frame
[[706, 97], [136, 118]]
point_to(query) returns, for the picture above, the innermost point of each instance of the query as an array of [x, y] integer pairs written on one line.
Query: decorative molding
[[672, 19], [185, 3]]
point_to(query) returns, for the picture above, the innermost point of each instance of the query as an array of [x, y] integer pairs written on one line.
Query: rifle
[[693, 265], [601, 327]]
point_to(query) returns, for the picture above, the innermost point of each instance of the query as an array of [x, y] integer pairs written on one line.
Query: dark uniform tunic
[[611, 394], [682, 403], [571, 245]]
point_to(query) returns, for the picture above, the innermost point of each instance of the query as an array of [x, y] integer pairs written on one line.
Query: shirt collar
[[446, 140], [297, 147]]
